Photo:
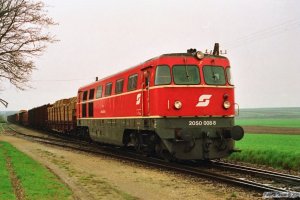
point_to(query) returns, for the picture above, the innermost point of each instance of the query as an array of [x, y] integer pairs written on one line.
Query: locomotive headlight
[[226, 104], [177, 105], [199, 55]]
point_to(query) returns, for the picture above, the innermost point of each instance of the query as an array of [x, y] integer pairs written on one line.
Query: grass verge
[[36, 181], [278, 151], [6, 189]]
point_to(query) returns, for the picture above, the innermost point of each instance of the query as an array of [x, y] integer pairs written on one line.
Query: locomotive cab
[[195, 100]]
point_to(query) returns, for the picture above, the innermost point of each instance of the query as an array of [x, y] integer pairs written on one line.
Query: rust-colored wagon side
[[13, 118], [23, 117], [38, 117]]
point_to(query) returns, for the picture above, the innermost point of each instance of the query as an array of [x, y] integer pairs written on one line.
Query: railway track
[[287, 178], [202, 171]]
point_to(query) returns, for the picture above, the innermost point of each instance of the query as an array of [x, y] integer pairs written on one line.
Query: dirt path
[[18, 189], [96, 177]]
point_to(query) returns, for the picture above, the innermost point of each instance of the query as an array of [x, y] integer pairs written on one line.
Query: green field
[[276, 150], [275, 117], [34, 180], [291, 123], [269, 113], [279, 151]]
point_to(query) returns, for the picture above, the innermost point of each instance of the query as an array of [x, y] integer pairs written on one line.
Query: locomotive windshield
[[228, 74], [186, 75], [214, 75], [189, 75]]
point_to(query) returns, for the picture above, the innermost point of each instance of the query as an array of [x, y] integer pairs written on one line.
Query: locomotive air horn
[[216, 49]]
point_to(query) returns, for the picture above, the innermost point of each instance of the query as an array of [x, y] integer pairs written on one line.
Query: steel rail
[[57, 137], [281, 177]]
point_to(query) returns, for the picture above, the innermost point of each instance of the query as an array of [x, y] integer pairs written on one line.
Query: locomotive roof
[[152, 59], [188, 54]]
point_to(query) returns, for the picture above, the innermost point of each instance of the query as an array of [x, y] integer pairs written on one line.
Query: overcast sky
[[99, 38]]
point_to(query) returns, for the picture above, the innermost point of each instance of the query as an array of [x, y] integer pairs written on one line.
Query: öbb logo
[[204, 100], [138, 99]]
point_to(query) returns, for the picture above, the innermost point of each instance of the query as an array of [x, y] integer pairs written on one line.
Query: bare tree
[[22, 37]]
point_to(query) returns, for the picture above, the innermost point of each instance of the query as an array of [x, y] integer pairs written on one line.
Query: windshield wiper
[[216, 76], [187, 73]]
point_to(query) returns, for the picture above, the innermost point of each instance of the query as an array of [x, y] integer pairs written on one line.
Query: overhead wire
[[62, 80], [255, 36], [265, 33]]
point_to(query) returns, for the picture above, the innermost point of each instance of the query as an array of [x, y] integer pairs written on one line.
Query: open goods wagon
[[62, 115]]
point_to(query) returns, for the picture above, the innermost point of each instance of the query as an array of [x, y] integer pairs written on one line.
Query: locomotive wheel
[[163, 153], [87, 137], [138, 143], [83, 133], [145, 144], [167, 156], [137, 146]]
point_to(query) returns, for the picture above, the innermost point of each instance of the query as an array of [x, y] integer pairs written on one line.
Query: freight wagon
[[38, 117], [13, 118], [23, 117], [62, 116]]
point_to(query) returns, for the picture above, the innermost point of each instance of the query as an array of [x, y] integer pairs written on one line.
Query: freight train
[[178, 106]]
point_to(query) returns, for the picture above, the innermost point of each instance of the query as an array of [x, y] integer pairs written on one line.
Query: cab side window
[[99, 92], [84, 96], [132, 82], [83, 105], [119, 86], [91, 93], [91, 104], [162, 75], [108, 88]]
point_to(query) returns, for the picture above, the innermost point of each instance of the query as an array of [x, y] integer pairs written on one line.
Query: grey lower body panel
[[183, 138], [197, 137], [111, 130]]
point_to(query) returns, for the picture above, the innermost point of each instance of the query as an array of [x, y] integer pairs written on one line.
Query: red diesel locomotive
[[178, 105]]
